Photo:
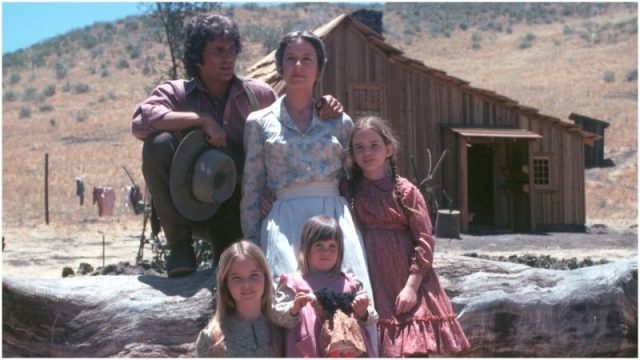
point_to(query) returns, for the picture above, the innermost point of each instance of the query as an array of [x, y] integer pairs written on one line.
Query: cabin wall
[[421, 105]]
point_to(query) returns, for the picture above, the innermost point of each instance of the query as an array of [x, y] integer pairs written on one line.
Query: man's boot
[[182, 259], [157, 154]]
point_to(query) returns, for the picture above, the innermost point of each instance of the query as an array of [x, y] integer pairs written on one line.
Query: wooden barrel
[[448, 224]]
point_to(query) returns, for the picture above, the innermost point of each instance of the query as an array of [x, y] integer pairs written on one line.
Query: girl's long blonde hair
[[226, 306], [320, 228]]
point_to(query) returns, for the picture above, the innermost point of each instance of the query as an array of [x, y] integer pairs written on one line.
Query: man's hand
[[213, 133], [329, 107], [267, 203]]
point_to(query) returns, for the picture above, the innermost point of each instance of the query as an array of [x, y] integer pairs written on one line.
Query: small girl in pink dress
[[295, 306], [416, 317]]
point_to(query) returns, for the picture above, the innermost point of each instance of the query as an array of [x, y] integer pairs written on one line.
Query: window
[[367, 99], [541, 172]]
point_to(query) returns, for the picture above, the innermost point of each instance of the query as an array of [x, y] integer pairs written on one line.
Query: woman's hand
[[406, 300], [329, 107], [302, 298], [360, 304], [213, 132]]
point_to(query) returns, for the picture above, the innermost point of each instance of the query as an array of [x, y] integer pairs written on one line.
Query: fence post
[[46, 188]]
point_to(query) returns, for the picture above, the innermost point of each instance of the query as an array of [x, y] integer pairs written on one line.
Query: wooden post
[[102, 248], [46, 188]]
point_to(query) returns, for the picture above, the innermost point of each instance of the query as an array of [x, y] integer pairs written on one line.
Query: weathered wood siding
[[421, 103]]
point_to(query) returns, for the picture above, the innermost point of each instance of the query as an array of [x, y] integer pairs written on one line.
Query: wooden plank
[[463, 185]]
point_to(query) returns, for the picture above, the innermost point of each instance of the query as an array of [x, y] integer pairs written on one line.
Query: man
[[214, 100]]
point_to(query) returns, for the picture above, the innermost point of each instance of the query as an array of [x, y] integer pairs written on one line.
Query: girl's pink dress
[[399, 242], [301, 338]]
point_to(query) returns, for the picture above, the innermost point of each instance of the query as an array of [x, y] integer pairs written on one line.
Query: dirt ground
[[42, 251]]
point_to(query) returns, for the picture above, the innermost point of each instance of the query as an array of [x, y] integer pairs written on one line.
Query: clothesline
[[105, 197]]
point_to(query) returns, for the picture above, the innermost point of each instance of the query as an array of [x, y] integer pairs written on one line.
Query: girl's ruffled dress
[[399, 242]]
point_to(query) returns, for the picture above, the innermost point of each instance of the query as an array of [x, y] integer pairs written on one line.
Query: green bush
[[80, 88], [25, 112], [131, 25], [96, 51], [632, 75], [9, 96], [52, 122], [81, 116], [66, 87], [45, 108], [49, 90], [61, 70], [122, 64], [609, 76], [14, 79], [30, 94]]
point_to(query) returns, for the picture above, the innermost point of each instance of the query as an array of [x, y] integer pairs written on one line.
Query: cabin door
[[480, 186]]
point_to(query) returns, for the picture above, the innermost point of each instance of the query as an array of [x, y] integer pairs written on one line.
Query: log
[[448, 224], [505, 309], [104, 316]]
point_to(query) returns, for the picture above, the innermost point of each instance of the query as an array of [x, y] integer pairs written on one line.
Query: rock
[[105, 316], [67, 271], [511, 310], [84, 269], [506, 310]]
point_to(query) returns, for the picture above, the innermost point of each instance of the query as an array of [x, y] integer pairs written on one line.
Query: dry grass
[[557, 79]]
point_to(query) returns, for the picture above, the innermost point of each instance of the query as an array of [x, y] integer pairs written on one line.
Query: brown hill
[[72, 96]]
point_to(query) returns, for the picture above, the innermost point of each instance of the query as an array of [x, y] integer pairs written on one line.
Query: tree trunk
[[505, 309]]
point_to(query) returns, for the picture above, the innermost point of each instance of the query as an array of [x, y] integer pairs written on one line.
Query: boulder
[[505, 309]]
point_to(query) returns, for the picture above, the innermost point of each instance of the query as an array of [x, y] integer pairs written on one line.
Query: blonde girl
[[416, 317], [241, 325], [319, 266]]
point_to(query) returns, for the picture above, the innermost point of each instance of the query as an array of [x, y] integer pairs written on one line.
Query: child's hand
[[406, 300], [302, 298], [360, 304]]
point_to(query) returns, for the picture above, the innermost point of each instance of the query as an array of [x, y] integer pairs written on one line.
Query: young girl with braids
[[416, 317]]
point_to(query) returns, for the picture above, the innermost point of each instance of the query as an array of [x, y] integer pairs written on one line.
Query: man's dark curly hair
[[201, 29]]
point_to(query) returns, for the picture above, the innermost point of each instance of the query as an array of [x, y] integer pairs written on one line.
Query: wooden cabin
[[593, 155], [509, 168]]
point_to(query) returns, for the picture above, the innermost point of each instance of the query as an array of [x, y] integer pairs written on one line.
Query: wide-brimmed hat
[[201, 177]]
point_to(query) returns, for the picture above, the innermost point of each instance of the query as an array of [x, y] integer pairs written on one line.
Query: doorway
[[480, 186]]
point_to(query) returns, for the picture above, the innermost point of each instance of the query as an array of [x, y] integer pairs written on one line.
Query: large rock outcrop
[[505, 309]]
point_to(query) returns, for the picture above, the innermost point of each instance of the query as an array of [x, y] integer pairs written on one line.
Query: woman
[[291, 152]]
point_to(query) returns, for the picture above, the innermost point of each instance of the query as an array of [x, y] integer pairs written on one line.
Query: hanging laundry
[[105, 197], [80, 189]]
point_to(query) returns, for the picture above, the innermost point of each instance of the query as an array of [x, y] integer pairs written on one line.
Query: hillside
[[72, 96]]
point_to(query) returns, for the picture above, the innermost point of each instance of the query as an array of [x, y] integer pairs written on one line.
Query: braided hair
[[380, 126]]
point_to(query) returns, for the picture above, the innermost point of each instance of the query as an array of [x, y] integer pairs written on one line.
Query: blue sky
[[27, 23]]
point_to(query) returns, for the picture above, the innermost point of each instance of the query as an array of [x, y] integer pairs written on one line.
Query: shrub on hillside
[[49, 90], [25, 112], [61, 70], [81, 116], [131, 25], [45, 108], [9, 96], [80, 88], [14, 79], [66, 87], [30, 94], [96, 51], [609, 76], [476, 38], [52, 122], [133, 51], [632, 75], [527, 41], [122, 64]]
